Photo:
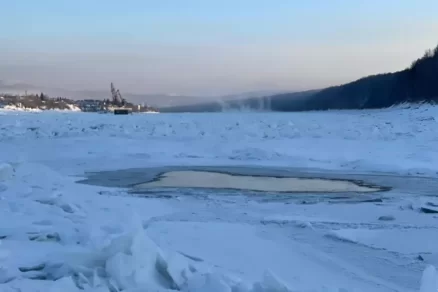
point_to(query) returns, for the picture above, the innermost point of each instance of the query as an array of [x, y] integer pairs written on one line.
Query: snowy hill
[[35, 103]]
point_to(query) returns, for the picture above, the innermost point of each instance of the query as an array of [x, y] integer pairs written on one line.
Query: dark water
[[390, 186]]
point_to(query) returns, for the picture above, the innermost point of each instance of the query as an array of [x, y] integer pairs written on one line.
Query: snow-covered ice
[[58, 235]]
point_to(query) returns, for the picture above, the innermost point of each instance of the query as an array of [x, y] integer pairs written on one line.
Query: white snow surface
[[17, 108], [14, 108], [58, 235]]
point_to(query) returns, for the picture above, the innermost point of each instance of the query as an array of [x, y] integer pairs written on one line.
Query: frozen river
[[220, 202]]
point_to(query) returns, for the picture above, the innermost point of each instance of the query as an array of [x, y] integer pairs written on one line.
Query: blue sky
[[224, 35], [210, 20]]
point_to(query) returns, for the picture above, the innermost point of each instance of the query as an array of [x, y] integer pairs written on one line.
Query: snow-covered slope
[[57, 235], [14, 108]]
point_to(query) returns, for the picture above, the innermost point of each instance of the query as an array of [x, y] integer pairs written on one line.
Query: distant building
[[90, 105]]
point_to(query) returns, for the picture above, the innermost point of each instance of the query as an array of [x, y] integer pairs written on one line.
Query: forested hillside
[[418, 83]]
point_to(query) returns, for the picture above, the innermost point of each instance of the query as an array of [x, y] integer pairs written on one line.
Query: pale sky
[[210, 47]]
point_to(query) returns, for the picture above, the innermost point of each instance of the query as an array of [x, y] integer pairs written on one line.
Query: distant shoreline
[[39, 103]]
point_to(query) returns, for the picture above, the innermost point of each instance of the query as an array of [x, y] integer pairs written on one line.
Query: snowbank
[[413, 241], [20, 109], [13, 108], [74, 108]]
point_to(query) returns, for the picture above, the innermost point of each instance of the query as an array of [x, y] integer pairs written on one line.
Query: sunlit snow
[[203, 179]]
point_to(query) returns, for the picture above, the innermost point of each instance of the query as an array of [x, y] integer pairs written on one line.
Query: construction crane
[[117, 98]]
